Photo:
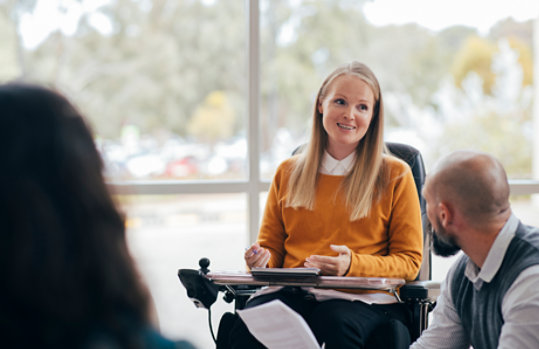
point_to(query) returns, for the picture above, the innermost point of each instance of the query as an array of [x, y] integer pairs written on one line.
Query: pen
[[254, 251]]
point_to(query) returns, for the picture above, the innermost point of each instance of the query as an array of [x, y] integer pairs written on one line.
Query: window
[[194, 103]]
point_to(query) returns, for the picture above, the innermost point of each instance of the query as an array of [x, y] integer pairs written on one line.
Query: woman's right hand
[[256, 256]]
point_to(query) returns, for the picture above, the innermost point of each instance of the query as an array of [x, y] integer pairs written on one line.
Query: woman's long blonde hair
[[365, 181]]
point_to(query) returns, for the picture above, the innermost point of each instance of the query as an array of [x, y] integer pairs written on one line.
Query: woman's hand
[[337, 266], [256, 256]]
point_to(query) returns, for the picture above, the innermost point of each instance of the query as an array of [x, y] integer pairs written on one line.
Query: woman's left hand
[[328, 265]]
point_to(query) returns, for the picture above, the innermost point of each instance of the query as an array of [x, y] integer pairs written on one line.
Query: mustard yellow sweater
[[386, 243]]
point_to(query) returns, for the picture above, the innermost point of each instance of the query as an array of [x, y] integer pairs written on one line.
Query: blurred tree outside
[[525, 59], [496, 120], [414, 66], [154, 64], [214, 120], [8, 49], [152, 68], [475, 56]]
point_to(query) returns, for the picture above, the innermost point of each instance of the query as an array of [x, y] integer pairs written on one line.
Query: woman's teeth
[[345, 126]]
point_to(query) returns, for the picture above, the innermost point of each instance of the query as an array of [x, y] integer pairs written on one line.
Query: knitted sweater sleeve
[[272, 232]]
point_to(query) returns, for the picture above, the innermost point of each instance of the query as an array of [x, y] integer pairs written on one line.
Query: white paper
[[277, 326]]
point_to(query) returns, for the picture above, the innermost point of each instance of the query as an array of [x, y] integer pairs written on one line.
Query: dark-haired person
[[489, 298], [345, 206], [68, 280]]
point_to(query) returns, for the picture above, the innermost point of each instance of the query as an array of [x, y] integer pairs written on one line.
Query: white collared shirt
[[520, 304], [334, 167], [494, 257]]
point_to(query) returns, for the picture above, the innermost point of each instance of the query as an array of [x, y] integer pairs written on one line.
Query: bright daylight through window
[[194, 103]]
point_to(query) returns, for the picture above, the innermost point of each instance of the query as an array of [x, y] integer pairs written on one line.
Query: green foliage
[[154, 69], [214, 120], [525, 59], [475, 55]]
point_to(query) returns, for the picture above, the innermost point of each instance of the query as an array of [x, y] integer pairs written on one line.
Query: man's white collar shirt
[[494, 257]]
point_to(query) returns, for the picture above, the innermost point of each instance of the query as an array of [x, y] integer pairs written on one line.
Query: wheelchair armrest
[[420, 291], [421, 298]]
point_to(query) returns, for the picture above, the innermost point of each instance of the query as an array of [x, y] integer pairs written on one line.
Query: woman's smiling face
[[347, 110]]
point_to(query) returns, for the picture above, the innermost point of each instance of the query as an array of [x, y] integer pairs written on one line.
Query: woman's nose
[[349, 113]]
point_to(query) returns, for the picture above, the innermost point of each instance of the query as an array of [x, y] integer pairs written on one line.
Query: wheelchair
[[419, 296]]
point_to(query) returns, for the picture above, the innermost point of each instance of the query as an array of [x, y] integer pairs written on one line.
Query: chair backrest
[[413, 158]]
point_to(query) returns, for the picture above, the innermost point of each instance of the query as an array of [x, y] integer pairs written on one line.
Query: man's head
[[466, 190]]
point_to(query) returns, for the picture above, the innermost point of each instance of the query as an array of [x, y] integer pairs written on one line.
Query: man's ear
[[446, 214]]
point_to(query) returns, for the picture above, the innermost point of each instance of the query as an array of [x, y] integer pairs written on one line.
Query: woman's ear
[[320, 108]]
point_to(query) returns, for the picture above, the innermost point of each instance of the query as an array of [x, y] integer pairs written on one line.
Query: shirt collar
[[332, 166], [495, 255]]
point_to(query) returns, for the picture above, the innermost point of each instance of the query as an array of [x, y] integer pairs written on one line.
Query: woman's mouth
[[345, 127]]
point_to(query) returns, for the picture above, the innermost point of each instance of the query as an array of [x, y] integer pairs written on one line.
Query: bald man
[[490, 297]]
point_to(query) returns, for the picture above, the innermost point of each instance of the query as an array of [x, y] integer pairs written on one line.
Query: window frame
[[254, 185]]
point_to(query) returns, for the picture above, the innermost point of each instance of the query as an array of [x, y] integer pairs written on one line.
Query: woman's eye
[[363, 107], [340, 101]]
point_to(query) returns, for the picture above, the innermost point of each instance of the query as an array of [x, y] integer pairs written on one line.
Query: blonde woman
[[344, 206]]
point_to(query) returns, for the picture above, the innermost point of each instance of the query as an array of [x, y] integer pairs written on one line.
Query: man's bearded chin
[[444, 247]]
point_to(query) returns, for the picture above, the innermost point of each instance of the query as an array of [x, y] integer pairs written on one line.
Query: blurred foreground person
[[489, 298], [68, 280]]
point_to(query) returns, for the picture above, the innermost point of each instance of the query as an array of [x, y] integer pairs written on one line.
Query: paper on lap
[[277, 326]]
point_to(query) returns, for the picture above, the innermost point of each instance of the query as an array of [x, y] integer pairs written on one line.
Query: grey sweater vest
[[481, 311]]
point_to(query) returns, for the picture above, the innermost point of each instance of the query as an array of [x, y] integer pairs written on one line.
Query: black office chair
[[419, 295]]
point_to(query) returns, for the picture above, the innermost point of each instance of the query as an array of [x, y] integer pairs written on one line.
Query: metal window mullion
[[535, 117], [524, 186], [518, 187], [174, 187], [253, 129]]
